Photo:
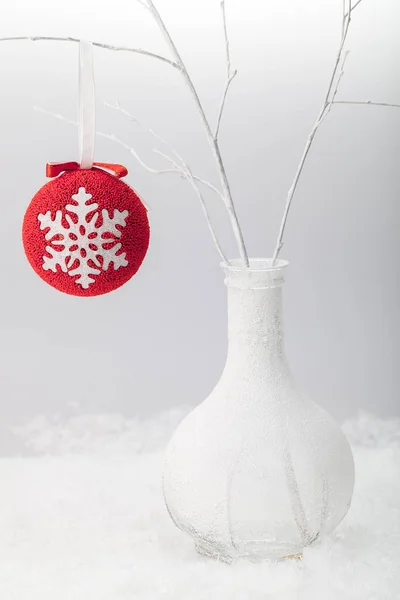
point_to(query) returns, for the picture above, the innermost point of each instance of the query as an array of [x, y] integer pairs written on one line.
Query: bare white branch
[[222, 105], [325, 109], [209, 134], [55, 115], [229, 74], [356, 4], [129, 116], [338, 81], [338, 58], [344, 9], [369, 102], [97, 44], [113, 138], [195, 177], [227, 49], [187, 174], [351, 8]]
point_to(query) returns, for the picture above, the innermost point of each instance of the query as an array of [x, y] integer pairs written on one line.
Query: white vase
[[257, 470]]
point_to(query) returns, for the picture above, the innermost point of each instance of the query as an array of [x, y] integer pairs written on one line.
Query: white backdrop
[[160, 341]]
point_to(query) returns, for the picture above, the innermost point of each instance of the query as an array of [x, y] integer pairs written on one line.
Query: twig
[[222, 105], [353, 7], [339, 79], [210, 137], [226, 37], [129, 116], [338, 56], [343, 16], [184, 170], [325, 109], [369, 102], [97, 44], [230, 75], [55, 115]]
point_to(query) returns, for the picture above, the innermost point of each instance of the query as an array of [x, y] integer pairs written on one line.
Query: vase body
[[257, 470]]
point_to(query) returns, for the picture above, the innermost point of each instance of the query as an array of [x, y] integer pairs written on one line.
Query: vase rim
[[255, 265]]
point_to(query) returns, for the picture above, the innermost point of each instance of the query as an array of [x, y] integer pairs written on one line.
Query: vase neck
[[255, 320], [255, 328]]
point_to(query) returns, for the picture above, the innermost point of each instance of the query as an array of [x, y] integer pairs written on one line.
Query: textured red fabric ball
[[86, 232]]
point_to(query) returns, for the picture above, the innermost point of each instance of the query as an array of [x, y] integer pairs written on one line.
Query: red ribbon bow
[[54, 169]]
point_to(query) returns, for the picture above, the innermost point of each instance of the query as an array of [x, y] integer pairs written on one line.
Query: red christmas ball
[[86, 232]]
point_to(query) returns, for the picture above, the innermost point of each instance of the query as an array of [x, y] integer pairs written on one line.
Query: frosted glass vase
[[257, 470]]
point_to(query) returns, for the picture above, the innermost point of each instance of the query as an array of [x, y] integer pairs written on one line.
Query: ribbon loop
[[117, 170], [54, 169]]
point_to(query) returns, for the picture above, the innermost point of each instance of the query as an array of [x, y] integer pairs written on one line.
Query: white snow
[[83, 519]]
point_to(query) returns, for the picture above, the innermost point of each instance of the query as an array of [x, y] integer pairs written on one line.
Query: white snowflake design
[[83, 241]]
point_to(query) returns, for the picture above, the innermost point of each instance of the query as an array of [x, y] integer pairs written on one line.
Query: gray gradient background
[[160, 341]]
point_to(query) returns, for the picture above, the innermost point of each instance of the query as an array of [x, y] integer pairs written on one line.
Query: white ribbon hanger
[[87, 106]]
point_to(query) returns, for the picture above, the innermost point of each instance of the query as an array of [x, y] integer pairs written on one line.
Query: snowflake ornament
[[82, 243], [86, 232]]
